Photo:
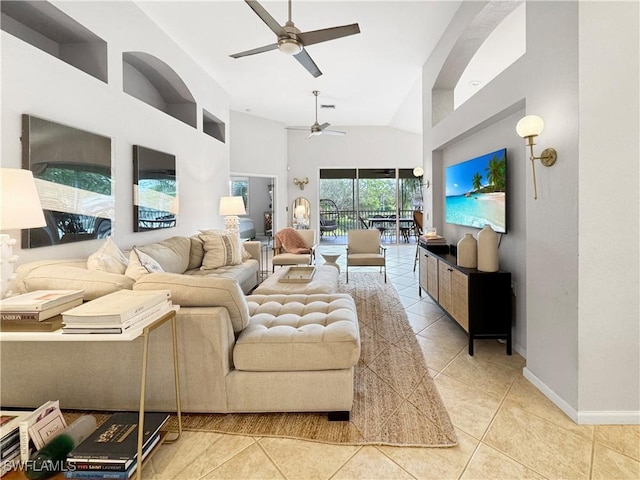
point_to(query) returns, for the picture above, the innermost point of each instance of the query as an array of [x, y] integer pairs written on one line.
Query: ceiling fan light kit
[[291, 41]]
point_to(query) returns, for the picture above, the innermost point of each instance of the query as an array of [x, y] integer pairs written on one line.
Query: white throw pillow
[[108, 258], [141, 264], [221, 250]]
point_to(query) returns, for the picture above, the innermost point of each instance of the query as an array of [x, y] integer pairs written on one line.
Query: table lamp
[[19, 208], [230, 208]]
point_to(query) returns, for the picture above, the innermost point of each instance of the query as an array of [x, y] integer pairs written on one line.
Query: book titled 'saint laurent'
[[117, 438]]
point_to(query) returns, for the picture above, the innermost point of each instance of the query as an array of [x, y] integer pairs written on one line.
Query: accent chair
[[365, 250], [281, 257]]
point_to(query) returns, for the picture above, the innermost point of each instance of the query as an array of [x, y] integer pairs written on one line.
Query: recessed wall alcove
[[470, 42], [213, 126], [45, 27], [152, 81]]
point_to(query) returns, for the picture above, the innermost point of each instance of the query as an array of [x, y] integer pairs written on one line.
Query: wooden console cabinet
[[480, 302]]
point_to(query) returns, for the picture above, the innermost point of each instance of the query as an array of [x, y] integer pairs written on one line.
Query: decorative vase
[[487, 250], [467, 252]]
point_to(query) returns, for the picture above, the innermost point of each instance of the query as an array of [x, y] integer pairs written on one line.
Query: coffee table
[[325, 280]]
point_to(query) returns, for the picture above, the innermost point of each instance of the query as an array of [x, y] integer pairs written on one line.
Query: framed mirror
[[72, 169], [301, 211], [240, 188], [155, 189]]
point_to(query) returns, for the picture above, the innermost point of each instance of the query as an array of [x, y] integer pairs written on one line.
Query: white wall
[[609, 206], [512, 245], [259, 147], [362, 147], [581, 309], [36, 83]]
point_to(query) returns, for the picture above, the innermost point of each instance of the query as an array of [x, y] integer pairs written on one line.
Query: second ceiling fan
[[316, 128], [292, 41]]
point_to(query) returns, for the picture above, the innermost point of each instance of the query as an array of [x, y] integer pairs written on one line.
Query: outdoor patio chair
[[365, 250], [417, 229]]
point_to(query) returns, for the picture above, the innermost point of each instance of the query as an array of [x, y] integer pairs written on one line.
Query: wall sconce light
[[419, 172], [301, 183], [528, 128]]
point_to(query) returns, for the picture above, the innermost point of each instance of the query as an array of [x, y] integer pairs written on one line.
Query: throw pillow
[[221, 250], [108, 259], [141, 264]]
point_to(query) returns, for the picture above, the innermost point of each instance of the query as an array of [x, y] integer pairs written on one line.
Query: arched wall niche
[[461, 56], [152, 81]]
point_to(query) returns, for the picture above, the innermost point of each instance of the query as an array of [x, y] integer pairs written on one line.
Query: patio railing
[[352, 220]]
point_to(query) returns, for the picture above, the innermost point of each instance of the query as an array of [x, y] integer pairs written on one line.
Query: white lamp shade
[[418, 171], [530, 126], [300, 210], [232, 206], [19, 203]]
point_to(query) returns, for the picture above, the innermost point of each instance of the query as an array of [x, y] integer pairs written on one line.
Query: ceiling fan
[[292, 41], [316, 128]]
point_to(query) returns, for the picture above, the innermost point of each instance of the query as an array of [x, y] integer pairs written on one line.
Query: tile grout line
[[484, 435]]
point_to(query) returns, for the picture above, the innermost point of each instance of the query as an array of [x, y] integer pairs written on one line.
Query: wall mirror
[[240, 188], [301, 212], [72, 169], [155, 189]]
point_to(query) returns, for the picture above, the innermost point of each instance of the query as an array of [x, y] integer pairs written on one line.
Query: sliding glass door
[[382, 198]]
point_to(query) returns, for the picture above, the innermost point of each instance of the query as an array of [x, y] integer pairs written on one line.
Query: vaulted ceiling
[[372, 78]]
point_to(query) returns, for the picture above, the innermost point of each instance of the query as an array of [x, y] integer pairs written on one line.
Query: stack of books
[[10, 439], [112, 450], [117, 312], [433, 239], [37, 311], [24, 432]]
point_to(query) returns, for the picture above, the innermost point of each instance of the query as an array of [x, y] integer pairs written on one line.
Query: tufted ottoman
[[307, 343]]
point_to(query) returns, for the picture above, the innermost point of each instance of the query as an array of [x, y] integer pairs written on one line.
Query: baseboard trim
[[604, 417], [609, 418], [551, 395]]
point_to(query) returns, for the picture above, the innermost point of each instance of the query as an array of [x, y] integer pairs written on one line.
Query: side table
[[143, 330], [330, 259]]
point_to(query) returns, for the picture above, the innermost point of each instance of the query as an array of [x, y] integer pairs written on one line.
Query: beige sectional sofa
[[237, 353]]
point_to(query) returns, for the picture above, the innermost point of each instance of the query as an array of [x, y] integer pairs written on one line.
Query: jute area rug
[[395, 399]]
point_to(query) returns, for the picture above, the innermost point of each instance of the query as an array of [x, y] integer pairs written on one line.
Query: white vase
[[467, 252], [487, 250]]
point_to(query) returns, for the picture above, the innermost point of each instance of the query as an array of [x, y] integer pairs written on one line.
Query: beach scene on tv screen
[[476, 192]]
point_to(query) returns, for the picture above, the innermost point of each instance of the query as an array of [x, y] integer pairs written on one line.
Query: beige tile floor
[[506, 428]]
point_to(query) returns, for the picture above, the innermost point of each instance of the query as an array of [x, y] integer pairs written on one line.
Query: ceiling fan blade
[[266, 48], [267, 18], [324, 125], [295, 128], [318, 36], [333, 132], [306, 61]]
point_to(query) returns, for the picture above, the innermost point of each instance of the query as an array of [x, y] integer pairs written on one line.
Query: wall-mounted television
[[476, 192]]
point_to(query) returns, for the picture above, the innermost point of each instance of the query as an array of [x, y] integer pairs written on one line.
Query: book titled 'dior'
[[118, 311]]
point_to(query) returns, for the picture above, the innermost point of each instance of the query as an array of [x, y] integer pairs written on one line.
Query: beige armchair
[[365, 250], [282, 257]]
